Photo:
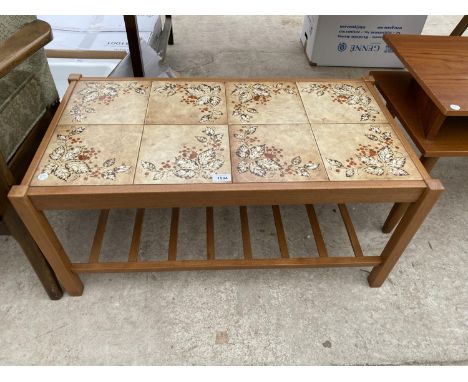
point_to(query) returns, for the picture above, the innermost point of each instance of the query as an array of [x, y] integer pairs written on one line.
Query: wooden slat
[[283, 246], [187, 265], [210, 245], [172, 252], [247, 246], [350, 230], [99, 237], [314, 224], [135, 245], [87, 54]]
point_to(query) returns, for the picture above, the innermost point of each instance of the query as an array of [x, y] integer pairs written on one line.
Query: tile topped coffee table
[[158, 143]]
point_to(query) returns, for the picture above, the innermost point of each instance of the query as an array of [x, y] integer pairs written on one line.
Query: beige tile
[[363, 151], [172, 154], [275, 153], [90, 155], [107, 102], [340, 102], [264, 103], [187, 103]]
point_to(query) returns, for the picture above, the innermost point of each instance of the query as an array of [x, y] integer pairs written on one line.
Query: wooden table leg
[[409, 225], [461, 27], [37, 260], [399, 209], [133, 38], [47, 241]]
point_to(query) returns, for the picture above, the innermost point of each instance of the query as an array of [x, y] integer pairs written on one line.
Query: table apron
[[186, 199]]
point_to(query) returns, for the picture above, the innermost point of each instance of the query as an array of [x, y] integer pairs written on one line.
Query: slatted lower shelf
[[249, 261]]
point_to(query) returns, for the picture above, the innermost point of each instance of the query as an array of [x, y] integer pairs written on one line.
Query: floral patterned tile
[[264, 103], [363, 152], [90, 155], [275, 153], [338, 102], [172, 154], [177, 102], [104, 102]]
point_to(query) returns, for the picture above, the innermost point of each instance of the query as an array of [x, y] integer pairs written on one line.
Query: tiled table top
[[174, 132]]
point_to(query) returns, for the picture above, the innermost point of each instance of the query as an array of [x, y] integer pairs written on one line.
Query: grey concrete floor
[[290, 317]]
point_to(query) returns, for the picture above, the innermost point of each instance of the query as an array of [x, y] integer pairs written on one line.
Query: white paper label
[[43, 176], [221, 178], [455, 107]]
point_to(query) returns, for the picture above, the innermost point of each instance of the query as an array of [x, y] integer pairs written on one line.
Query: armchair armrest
[[28, 40]]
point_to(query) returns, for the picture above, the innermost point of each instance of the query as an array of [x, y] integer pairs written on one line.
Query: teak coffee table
[[159, 143]]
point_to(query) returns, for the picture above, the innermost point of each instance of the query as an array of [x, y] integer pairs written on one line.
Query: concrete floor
[[288, 317]]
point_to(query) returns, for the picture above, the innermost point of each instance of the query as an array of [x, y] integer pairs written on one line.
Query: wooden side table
[[157, 143], [430, 99]]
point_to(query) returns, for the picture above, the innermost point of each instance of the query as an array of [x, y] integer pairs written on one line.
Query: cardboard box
[[71, 40], [355, 40], [61, 68], [98, 23], [93, 63], [97, 33]]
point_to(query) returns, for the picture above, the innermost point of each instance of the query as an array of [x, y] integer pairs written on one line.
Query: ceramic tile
[[275, 153], [340, 102], [187, 103], [104, 102], [90, 155], [363, 151], [264, 103], [172, 154]]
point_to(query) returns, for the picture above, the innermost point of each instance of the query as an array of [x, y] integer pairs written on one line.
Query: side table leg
[[399, 209], [409, 225], [47, 241]]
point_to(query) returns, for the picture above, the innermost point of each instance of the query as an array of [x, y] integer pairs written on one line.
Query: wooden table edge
[[168, 196], [78, 77], [442, 108]]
